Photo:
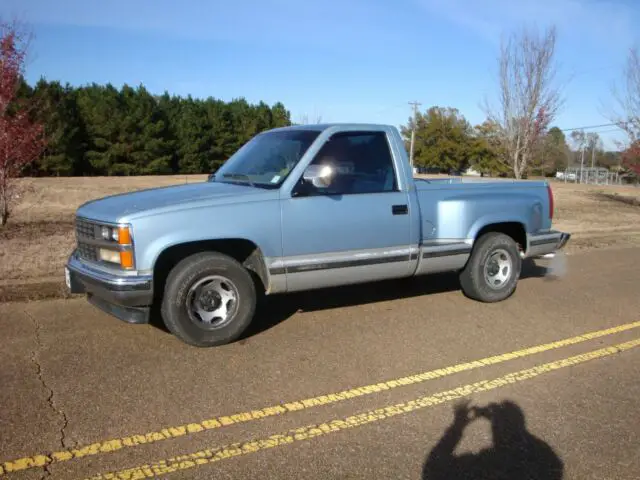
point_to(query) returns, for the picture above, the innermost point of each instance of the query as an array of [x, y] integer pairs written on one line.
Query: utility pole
[[582, 163], [415, 106], [593, 158]]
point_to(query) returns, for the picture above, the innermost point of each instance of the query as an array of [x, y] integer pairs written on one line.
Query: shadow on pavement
[[516, 454], [278, 308]]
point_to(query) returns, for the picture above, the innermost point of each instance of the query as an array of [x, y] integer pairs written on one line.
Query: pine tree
[[102, 130]]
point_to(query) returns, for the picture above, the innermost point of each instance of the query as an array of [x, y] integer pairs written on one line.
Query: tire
[[208, 281], [488, 248]]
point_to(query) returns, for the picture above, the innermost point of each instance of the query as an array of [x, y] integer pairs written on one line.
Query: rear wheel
[[209, 299], [492, 272]]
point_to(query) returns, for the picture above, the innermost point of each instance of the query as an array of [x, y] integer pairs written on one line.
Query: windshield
[[266, 159]]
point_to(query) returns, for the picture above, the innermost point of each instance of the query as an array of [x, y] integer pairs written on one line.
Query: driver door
[[357, 229]]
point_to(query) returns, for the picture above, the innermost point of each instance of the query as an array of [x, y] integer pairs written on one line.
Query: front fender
[[258, 222]]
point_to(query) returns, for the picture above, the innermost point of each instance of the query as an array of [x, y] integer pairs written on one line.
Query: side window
[[361, 162]]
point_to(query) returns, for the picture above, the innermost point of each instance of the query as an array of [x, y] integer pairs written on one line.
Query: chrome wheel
[[212, 301], [498, 268]]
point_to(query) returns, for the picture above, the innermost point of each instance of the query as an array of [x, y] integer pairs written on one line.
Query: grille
[[87, 252], [86, 230]]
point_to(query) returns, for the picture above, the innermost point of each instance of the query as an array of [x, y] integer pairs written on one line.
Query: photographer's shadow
[[516, 454]]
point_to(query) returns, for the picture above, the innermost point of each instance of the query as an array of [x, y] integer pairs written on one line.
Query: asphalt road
[[86, 395]]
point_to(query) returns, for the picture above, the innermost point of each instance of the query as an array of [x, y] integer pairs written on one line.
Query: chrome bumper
[[127, 297], [564, 238], [546, 244]]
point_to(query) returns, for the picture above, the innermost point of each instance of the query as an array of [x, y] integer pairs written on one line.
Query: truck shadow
[[515, 454], [278, 308]]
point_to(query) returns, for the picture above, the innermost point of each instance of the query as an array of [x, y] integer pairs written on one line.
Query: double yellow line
[[305, 433], [204, 457]]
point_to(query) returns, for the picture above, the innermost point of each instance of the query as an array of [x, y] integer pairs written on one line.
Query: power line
[[590, 126], [607, 131]]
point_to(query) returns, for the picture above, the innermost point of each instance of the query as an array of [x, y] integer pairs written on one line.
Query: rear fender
[[493, 219]]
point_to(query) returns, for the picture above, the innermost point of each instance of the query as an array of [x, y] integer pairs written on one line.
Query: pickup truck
[[300, 208]]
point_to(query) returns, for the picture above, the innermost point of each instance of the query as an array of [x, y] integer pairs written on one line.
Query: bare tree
[[304, 119], [627, 114], [529, 100], [579, 139], [627, 99], [593, 144]]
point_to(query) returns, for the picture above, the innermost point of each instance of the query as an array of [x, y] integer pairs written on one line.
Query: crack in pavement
[[50, 394]]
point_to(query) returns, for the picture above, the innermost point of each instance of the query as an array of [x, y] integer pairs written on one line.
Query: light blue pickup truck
[[300, 208]]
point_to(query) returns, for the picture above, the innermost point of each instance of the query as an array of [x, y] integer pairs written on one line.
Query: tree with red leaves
[[631, 160], [22, 140], [627, 116]]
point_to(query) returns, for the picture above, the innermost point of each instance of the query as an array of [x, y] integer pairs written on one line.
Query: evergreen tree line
[[102, 130]]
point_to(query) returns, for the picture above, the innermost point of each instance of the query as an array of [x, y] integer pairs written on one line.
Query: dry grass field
[[39, 237]]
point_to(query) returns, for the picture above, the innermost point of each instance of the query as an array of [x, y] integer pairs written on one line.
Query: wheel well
[[515, 230], [244, 251]]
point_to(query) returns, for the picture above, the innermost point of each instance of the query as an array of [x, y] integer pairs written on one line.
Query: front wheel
[[209, 299], [492, 272]]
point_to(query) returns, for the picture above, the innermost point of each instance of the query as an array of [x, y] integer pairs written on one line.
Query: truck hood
[[127, 205]]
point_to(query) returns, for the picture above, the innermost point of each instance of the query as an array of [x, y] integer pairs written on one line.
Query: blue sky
[[357, 60]]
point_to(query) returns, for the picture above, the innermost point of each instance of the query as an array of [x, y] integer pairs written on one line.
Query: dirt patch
[[35, 249], [19, 292], [581, 210], [615, 197], [604, 241], [35, 230]]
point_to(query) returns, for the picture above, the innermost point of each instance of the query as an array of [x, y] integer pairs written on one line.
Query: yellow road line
[[112, 445], [204, 457]]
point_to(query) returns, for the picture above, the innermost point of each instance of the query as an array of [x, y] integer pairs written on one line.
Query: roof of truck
[[324, 126]]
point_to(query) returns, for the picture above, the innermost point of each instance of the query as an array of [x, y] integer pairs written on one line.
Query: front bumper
[[126, 297]]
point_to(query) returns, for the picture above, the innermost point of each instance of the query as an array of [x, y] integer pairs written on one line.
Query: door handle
[[399, 209]]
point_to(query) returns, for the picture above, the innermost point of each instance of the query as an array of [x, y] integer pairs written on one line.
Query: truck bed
[[455, 209], [429, 183]]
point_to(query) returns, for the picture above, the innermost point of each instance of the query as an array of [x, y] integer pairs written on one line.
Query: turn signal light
[[126, 259], [124, 236]]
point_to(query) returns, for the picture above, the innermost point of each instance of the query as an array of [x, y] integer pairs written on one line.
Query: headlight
[[121, 234], [111, 256], [121, 255], [110, 233]]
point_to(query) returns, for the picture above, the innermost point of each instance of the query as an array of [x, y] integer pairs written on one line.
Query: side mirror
[[319, 175], [212, 173]]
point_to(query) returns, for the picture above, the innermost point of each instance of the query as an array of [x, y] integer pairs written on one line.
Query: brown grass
[[584, 209], [61, 196], [39, 237]]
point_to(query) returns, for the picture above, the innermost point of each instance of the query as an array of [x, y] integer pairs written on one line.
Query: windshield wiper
[[239, 175]]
